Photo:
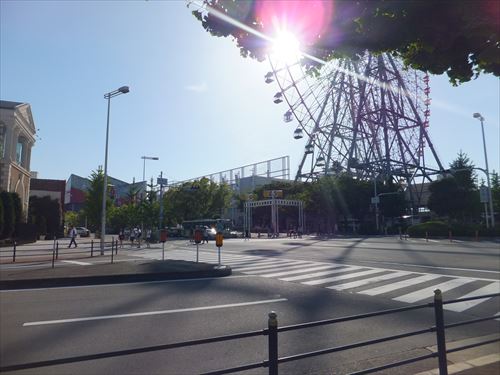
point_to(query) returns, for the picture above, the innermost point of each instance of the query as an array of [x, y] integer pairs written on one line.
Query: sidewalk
[[119, 271]]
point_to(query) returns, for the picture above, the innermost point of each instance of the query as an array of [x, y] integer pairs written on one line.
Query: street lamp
[[481, 118], [108, 96], [144, 166]]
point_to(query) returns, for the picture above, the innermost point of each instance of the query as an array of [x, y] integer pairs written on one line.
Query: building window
[[19, 151]]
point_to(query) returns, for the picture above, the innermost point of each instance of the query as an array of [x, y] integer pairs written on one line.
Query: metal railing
[[52, 253], [273, 330]]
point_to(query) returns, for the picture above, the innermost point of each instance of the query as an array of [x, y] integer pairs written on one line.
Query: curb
[[109, 279]]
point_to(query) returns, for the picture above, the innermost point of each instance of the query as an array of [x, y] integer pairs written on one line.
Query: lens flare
[[307, 20], [286, 47]]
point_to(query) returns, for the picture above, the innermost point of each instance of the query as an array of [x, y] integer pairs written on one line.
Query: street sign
[[198, 236], [273, 193], [219, 239], [163, 235], [162, 181], [375, 200]]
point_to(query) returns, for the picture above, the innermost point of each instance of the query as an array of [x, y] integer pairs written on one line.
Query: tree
[[495, 191], [196, 200], [93, 200], [45, 213], [456, 195], [460, 38], [9, 215]]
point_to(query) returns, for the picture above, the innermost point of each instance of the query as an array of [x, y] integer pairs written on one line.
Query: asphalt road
[[363, 275], [63, 322]]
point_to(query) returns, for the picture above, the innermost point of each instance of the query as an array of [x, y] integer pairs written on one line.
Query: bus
[[190, 225]]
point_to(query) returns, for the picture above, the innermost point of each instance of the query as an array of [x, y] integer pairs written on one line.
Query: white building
[[17, 137]]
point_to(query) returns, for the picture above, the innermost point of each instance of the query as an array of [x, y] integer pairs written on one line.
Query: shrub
[[433, 228], [9, 215]]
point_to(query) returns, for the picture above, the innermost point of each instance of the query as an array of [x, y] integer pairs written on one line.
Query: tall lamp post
[[481, 118], [108, 96]]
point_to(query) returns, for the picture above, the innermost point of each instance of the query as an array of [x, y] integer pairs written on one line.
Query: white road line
[[149, 313], [273, 264], [425, 293], [376, 279], [462, 306], [438, 268], [324, 273], [125, 284], [342, 277], [76, 262], [245, 263], [278, 274], [283, 268], [399, 285]]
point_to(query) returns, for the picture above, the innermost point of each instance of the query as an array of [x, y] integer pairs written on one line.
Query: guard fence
[[35, 252], [272, 331]]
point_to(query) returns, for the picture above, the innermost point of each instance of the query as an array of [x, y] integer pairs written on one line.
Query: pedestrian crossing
[[402, 286]]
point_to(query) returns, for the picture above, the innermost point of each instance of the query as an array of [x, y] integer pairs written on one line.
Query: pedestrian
[[132, 236], [121, 236], [138, 234], [148, 238], [72, 234]]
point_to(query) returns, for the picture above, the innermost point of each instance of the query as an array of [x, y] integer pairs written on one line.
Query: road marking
[[76, 262], [324, 273], [272, 264], [283, 268], [149, 313], [462, 306], [376, 279], [425, 293], [439, 268], [122, 284], [343, 277], [278, 274], [399, 285]]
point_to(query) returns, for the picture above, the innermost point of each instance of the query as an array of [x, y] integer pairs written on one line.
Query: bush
[[9, 215], [433, 229], [441, 229]]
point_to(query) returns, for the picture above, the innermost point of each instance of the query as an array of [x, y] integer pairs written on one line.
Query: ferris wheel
[[367, 117]]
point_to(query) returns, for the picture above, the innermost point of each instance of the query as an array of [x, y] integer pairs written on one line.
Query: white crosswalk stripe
[[272, 265], [462, 306], [319, 274], [337, 276], [426, 293], [302, 270], [399, 285], [376, 279], [343, 277]]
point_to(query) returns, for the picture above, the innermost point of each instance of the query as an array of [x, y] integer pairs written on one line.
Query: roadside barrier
[[53, 251], [272, 331]]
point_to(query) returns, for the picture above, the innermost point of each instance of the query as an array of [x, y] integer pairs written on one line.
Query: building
[[120, 191], [54, 189], [17, 137]]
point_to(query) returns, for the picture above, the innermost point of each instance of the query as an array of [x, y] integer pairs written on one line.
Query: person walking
[[148, 238], [72, 234], [121, 236], [132, 236], [138, 234]]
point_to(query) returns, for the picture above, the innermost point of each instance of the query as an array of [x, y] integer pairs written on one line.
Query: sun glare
[[286, 47]]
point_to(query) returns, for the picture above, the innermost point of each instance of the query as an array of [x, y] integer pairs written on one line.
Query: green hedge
[[441, 229], [433, 229]]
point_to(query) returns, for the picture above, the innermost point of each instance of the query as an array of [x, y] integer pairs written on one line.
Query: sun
[[286, 47]]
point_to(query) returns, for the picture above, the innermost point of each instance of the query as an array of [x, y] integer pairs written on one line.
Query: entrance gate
[[274, 203]]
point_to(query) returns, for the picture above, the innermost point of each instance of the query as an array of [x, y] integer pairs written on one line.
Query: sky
[[194, 102]]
